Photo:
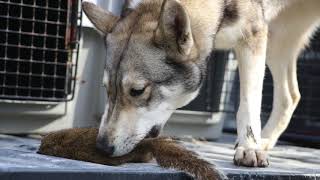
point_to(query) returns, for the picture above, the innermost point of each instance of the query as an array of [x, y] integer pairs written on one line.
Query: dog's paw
[[250, 158]]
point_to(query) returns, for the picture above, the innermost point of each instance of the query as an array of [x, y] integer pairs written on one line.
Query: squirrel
[[80, 144]]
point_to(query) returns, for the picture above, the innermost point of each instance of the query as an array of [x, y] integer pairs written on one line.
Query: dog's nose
[[103, 144], [154, 132]]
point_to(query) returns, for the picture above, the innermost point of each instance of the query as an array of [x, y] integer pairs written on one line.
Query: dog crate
[[39, 45], [60, 60], [305, 123], [38, 49]]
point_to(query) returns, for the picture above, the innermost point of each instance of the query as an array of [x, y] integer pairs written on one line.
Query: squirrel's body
[[79, 144]]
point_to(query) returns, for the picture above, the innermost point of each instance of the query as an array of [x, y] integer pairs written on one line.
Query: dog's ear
[[104, 21], [174, 30]]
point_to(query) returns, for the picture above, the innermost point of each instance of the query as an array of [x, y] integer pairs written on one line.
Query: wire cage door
[[38, 49]]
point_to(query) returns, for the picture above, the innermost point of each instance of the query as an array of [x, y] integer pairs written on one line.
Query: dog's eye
[[136, 92]]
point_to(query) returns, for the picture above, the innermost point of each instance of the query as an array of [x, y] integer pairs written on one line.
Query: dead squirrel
[[80, 144]]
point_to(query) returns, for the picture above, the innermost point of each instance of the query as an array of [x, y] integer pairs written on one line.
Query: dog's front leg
[[251, 54]]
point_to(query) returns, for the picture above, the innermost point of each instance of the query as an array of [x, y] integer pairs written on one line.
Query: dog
[[157, 56]]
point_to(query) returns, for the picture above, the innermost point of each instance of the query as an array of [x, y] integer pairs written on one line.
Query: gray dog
[[157, 61]]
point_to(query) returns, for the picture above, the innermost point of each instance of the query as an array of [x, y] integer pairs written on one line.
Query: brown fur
[[80, 144]]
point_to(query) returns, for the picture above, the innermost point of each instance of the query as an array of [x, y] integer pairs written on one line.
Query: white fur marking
[[105, 80], [134, 3], [134, 126]]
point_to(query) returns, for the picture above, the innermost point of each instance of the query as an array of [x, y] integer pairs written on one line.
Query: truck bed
[[19, 160]]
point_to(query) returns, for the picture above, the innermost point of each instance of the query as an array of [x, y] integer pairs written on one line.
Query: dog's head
[[151, 69]]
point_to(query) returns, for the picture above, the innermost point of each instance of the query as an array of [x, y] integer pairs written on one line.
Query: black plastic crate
[[38, 49]]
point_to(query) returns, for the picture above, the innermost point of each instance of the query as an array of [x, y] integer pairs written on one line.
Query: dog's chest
[[228, 36]]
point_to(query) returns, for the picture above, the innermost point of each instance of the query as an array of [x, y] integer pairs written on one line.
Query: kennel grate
[[38, 49]]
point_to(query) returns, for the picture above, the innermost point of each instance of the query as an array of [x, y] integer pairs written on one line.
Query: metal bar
[[31, 88], [34, 48], [32, 61], [32, 98], [34, 20], [31, 75], [31, 34], [34, 6], [77, 45]]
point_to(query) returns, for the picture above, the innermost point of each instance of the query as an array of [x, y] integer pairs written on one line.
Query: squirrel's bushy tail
[[169, 154]]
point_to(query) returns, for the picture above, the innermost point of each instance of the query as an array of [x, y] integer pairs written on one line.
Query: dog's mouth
[[154, 132]]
